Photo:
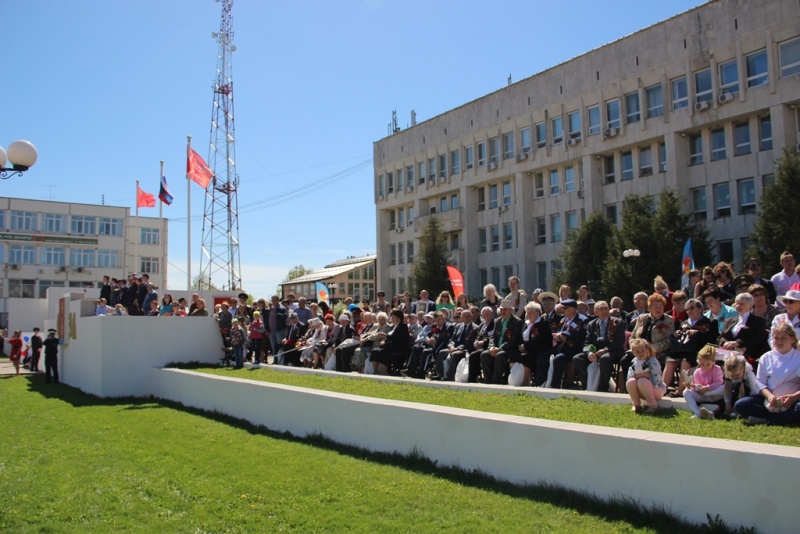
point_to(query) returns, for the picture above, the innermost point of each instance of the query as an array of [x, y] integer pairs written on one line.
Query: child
[[740, 381], [644, 377], [706, 386], [238, 338]]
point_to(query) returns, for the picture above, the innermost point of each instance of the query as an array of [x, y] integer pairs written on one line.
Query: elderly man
[[784, 280], [423, 304], [429, 344], [548, 301], [276, 323], [503, 345], [569, 337], [746, 332], [605, 344], [303, 312], [458, 348]]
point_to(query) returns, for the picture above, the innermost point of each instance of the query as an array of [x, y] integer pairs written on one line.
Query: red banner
[[144, 200], [197, 170], [456, 280]]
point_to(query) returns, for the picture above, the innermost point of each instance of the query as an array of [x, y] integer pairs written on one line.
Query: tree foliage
[[295, 272], [206, 284], [776, 227], [430, 263], [581, 249]]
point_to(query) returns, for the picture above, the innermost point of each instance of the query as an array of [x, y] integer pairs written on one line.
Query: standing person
[[200, 309], [257, 330], [445, 301], [51, 357], [105, 289], [381, 305], [16, 349], [167, 307], [423, 304], [753, 267], [785, 279], [517, 297], [490, 298], [36, 350], [276, 323], [238, 338]]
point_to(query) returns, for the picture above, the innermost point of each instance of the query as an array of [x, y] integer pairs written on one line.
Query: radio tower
[[220, 261]]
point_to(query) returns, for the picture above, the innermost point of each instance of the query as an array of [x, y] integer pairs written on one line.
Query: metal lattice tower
[[220, 260]]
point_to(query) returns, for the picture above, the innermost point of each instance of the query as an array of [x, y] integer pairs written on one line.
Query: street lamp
[[21, 155], [332, 288], [631, 253]]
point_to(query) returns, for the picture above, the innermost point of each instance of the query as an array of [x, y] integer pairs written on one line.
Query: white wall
[[25, 314], [745, 483]]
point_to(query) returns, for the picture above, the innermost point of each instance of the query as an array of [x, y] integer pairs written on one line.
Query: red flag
[[456, 280], [197, 170], [144, 200]]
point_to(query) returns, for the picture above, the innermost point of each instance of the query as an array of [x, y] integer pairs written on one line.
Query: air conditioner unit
[[522, 156], [502, 208], [409, 189], [726, 97], [14, 267], [580, 193], [391, 190], [381, 197], [442, 179], [398, 229], [611, 132], [701, 106], [79, 269], [469, 166], [62, 269], [492, 165], [573, 141]]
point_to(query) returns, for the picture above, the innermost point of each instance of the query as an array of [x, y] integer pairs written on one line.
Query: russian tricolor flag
[[164, 194]]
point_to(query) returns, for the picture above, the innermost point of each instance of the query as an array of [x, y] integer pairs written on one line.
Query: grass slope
[[567, 409], [71, 462]]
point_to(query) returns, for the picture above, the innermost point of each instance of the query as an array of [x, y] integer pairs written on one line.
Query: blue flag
[[164, 194], [322, 293], [687, 263]]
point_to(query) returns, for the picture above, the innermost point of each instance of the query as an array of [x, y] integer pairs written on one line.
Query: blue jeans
[[238, 356], [753, 405], [275, 338]]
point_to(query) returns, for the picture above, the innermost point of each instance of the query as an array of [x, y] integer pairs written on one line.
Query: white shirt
[[783, 283], [742, 321], [780, 318], [780, 373]]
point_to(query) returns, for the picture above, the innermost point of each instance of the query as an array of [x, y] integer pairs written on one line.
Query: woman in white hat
[[791, 303]]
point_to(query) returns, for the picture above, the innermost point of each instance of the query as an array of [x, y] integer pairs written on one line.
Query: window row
[[556, 229], [57, 256], [365, 273], [491, 275], [551, 181], [737, 136], [401, 217], [489, 238], [400, 253], [627, 161], [29, 289], [498, 195], [57, 223], [745, 198]]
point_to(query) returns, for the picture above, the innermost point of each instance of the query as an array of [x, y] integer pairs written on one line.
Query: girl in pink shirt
[[707, 385]]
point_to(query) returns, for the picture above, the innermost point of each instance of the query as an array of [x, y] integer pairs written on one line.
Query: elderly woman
[[654, 326], [537, 341], [690, 337], [393, 347], [761, 306], [716, 309], [745, 333], [316, 333], [200, 310], [778, 381], [491, 298]]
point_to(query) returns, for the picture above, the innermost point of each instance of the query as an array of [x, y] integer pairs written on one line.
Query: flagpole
[[163, 234], [188, 219], [136, 238]]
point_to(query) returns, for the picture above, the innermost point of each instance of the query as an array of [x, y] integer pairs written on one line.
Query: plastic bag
[[462, 370], [368, 366], [549, 382], [593, 380], [517, 375], [330, 365]]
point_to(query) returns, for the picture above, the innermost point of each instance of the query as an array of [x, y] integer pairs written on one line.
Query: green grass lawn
[[565, 409], [71, 462]]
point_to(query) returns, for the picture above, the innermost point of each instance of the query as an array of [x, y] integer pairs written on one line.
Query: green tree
[[583, 247], [206, 284], [430, 263], [295, 272], [776, 228]]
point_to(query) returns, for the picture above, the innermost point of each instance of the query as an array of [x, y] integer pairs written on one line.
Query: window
[[399, 179], [594, 120], [790, 57], [410, 215], [484, 277], [655, 101], [558, 130], [482, 240], [410, 252], [54, 223], [680, 93], [574, 124], [572, 221], [421, 172], [718, 144], [569, 179], [741, 139], [757, 69], [22, 254], [108, 258], [496, 276], [354, 290], [392, 220], [645, 161], [468, 157], [612, 113], [626, 164], [481, 199], [747, 196], [431, 169], [353, 275], [493, 196], [410, 178], [443, 204], [495, 238], [695, 149], [2, 254], [454, 201], [494, 149], [702, 84], [23, 220], [109, 226], [150, 236], [392, 254], [729, 77], [44, 285], [662, 157], [442, 166], [54, 256], [538, 184], [454, 241], [768, 180], [508, 271], [725, 250], [2, 220], [699, 204], [541, 273], [722, 199], [21, 289], [525, 140], [541, 231], [390, 182], [508, 145], [368, 272], [381, 188], [611, 213], [508, 236], [555, 188], [84, 257], [609, 172], [481, 154], [541, 135], [632, 108], [506, 193], [401, 253], [555, 228], [765, 132], [401, 218]]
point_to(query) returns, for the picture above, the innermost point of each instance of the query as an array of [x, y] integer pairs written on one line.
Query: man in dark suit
[[105, 290], [605, 341], [753, 267], [483, 335], [746, 332], [503, 345], [294, 332], [423, 304], [570, 336], [459, 346], [438, 337]]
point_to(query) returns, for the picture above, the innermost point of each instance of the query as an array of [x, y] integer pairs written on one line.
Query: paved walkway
[[7, 368]]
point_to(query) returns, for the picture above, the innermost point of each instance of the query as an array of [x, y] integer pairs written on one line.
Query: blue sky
[[106, 89]]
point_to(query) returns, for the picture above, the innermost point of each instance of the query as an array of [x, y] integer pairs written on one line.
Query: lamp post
[[21, 155], [332, 289], [632, 253]]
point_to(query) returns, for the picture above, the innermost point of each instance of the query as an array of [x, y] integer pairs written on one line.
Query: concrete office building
[[58, 244], [703, 102]]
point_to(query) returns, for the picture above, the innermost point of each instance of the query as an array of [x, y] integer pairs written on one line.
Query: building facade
[[58, 244], [702, 103], [350, 277]]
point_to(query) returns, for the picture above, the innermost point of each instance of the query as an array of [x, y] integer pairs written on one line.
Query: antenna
[[50, 193], [220, 260]]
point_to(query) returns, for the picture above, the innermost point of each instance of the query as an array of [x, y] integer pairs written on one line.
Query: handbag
[[593, 379], [462, 371]]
